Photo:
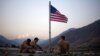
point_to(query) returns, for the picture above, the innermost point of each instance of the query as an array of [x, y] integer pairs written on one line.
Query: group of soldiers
[[29, 46]]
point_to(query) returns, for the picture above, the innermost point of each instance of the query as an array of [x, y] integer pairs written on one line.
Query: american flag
[[55, 15]]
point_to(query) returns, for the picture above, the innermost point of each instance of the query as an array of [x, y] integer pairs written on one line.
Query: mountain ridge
[[80, 37]]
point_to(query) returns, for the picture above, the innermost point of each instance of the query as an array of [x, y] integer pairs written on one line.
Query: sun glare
[[23, 35]]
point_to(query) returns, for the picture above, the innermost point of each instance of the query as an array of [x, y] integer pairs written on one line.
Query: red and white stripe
[[57, 16]]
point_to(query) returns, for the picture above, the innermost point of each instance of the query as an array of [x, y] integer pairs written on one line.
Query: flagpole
[[49, 28]]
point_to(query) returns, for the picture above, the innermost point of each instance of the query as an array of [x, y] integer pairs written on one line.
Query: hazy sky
[[21, 18]]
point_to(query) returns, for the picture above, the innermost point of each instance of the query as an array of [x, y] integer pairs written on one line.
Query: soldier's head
[[63, 37], [36, 39], [28, 41]]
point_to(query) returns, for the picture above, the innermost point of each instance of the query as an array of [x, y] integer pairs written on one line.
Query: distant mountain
[[21, 40], [4, 41], [17, 42], [87, 36]]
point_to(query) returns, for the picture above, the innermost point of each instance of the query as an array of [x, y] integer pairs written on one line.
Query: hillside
[[87, 36], [6, 42]]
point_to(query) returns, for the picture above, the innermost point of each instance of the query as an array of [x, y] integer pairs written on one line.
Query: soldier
[[34, 45], [63, 45], [26, 46]]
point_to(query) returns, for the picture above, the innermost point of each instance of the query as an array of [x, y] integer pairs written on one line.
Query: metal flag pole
[[49, 28]]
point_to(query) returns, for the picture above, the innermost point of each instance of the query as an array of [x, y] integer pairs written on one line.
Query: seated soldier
[[26, 47], [34, 45]]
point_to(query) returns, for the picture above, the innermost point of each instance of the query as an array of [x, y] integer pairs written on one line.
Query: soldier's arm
[[27, 46]]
